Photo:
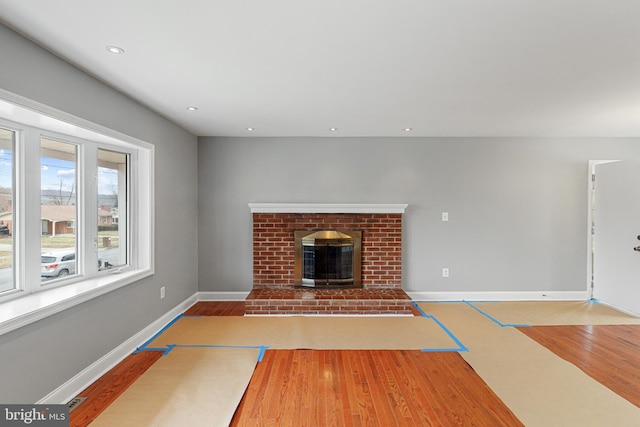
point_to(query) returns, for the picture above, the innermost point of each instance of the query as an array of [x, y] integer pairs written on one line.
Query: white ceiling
[[366, 67]]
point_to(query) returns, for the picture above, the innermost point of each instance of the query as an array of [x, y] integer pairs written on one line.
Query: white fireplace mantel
[[326, 208]]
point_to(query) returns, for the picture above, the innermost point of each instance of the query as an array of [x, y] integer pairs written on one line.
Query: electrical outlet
[[445, 216], [162, 293], [445, 272]]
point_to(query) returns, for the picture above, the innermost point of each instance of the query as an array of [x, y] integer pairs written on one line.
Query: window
[[7, 138], [112, 197], [58, 205], [76, 211]]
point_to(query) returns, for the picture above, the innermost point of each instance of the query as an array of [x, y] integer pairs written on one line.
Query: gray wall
[[38, 358], [517, 207]]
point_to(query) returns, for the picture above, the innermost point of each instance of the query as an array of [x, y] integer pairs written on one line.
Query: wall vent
[[73, 403]]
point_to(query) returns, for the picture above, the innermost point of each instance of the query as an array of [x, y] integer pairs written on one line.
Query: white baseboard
[[623, 310], [499, 296], [434, 296], [222, 296], [88, 376]]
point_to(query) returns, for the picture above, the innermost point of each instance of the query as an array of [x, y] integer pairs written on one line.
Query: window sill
[[21, 311]]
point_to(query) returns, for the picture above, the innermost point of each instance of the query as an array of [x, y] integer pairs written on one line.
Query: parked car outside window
[[58, 264]]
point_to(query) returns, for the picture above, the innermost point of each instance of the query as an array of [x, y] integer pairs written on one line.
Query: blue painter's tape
[[261, 353], [595, 300], [448, 332], [443, 350], [162, 349], [169, 348], [496, 321], [150, 340], [493, 319], [415, 304], [261, 348], [444, 328], [217, 346]]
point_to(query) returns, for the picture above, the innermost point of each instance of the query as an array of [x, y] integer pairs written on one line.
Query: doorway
[[614, 235]]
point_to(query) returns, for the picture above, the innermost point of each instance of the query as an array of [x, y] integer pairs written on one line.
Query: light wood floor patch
[[322, 333], [541, 313], [192, 386]]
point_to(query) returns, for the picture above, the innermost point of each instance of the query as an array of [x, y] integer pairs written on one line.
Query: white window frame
[[30, 302]]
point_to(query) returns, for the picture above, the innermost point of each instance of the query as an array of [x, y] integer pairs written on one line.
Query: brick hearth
[[274, 291], [280, 301]]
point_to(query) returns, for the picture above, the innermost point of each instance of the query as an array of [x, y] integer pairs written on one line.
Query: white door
[[617, 234]]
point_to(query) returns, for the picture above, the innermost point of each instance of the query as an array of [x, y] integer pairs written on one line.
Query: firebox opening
[[328, 258]]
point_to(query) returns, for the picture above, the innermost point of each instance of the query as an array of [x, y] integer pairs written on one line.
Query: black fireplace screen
[[328, 263], [327, 257]]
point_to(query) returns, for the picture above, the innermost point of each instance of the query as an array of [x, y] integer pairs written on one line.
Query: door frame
[[591, 222]]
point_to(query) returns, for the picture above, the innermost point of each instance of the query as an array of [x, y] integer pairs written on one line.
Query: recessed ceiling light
[[115, 50], [192, 108], [333, 129], [250, 129], [408, 129]]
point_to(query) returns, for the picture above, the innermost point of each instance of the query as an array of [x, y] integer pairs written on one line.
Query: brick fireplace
[[274, 289]]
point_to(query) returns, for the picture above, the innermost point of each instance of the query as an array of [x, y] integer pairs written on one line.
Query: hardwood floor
[[609, 354], [106, 390], [373, 387], [217, 308], [368, 387]]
